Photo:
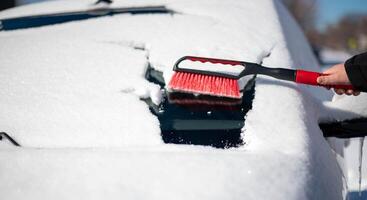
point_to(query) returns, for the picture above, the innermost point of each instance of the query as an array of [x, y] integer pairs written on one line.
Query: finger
[[349, 92], [339, 91], [356, 93], [327, 80]]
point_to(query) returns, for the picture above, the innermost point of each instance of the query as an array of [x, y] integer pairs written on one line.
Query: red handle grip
[[310, 78]]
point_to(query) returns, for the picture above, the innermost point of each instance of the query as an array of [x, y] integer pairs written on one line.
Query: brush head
[[207, 76]]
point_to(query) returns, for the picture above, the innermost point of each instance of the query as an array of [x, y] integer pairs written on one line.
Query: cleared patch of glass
[[199, 119]]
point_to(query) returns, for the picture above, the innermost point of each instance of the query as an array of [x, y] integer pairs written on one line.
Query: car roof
[[78, 84]]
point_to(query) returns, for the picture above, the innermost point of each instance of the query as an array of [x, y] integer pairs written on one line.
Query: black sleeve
[[356, 68]]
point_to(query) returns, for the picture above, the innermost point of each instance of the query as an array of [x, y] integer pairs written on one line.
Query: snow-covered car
[[85, 114]]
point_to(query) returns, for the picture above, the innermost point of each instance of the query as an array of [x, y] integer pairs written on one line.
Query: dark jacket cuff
[[356, 69]]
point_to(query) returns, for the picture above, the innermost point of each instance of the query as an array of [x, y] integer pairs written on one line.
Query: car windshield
[[57, 18]]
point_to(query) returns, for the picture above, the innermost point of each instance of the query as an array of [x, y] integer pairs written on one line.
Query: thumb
[[326, 80]]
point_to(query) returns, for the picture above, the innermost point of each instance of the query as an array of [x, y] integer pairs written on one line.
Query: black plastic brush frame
[[249, 68], [298, 76]]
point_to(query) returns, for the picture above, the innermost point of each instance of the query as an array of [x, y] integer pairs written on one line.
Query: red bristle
[[228, 88], [231, 88], [173, 79], [201, 86], [210, 84], [182, 81], [215, 84], [205, 84], [221, 84], [185, 79], [226, 85], [191, 81], [235, 89]]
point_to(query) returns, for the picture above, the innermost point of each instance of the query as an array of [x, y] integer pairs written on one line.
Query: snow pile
[[212, 67], [344, 108], [61, 93], [157, 39]]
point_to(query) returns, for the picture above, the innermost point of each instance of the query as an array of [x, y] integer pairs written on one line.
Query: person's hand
[[336, 75]]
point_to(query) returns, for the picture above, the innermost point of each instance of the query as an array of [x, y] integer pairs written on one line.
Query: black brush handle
[[278, 73]]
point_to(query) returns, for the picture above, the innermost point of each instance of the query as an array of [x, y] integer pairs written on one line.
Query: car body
[[72, 98]]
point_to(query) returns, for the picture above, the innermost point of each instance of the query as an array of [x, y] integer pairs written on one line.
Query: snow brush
[[218, 77]]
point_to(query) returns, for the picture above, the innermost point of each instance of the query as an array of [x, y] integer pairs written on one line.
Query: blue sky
[[330, 11]]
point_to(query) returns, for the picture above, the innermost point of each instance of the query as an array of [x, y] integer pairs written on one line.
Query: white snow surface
[[51, 99], [213, 67], [344, 108], [352, 156], [70, 95]]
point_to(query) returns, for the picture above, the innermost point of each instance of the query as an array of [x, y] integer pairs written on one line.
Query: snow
[[57, 99], [213, 67], [184, 173], [352, 154], [70, 96], [344, 108]]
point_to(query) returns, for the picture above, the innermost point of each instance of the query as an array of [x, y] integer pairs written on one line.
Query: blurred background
[[340, 25], [335, 29]]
